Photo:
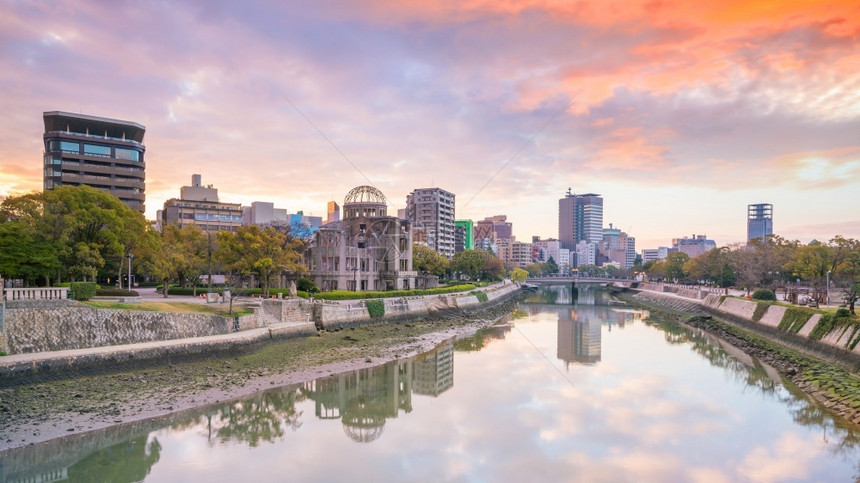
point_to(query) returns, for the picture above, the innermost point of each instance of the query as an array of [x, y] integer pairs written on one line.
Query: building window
[[127, 154], [65, 146], [95, 150]]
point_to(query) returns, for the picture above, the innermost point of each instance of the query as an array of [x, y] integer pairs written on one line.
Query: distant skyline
[[678, 114]]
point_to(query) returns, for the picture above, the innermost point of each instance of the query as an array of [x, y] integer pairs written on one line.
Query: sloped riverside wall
[[743, 313], [331, 315], [53, 326]]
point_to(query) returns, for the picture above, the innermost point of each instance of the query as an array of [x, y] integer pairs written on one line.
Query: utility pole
[[209, 237]]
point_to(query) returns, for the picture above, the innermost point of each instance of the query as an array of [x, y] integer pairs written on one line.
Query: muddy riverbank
[[32, 413]]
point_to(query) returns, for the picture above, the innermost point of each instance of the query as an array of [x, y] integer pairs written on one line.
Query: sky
[[678, 113]]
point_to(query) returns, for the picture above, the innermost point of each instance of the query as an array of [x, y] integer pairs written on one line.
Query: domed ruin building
[[366, 250]]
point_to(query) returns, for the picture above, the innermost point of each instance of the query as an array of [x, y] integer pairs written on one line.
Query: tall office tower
[[431, 210], [106, 154], [580, 218], [759, 221], [332, 212]]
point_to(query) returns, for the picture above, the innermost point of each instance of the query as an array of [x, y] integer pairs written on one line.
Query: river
[[573, 387]]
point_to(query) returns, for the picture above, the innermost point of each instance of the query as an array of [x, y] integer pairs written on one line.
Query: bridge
[[556, 279]]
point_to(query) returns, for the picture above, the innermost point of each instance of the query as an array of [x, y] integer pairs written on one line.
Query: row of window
[[94, 150], [211, 217]]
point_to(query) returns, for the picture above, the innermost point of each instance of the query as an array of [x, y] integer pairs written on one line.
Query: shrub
[[376, 308], [843, 312], [306, 285], [763, 294], [82, 290]]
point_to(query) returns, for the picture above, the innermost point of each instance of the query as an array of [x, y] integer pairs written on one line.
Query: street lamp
[[130, 256], [354, 272], [828, 290]]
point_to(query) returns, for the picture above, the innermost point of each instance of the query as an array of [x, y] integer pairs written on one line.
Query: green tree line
[[80, 233], [770, 263]]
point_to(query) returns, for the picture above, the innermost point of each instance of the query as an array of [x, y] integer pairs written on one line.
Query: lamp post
[[130, 256], [354, 282], [828, 290]]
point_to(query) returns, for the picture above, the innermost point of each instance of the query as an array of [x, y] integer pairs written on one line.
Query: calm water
[[584, 392]]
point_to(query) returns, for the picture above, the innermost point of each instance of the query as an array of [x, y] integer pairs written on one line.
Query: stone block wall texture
[[35, 329]]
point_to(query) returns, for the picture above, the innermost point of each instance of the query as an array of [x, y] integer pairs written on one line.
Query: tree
[[470, 262], [535, 269], [812, 262], [193, 246], [24, 254], [675, 265], [847, 272], [426, 260], [519, 275], [493, 268], [94, 226], [551, 266], [158, 256], [29, 246], [261, 251]]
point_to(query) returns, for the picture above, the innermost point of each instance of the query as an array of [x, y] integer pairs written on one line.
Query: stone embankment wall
[[789, 325], [681, 290], [332, 315], [52, 326]]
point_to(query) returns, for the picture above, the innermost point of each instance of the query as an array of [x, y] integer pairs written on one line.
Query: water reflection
[[580, 326], [623, 415], [364, 399], [568, 294], [837, 435]]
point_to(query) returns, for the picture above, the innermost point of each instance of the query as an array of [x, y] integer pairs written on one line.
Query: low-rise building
[[199, 205], [694, 246], [653, 254]]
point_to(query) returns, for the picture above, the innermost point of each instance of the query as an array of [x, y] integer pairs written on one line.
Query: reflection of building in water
[[364, 399], [433, 373], [578, 338]]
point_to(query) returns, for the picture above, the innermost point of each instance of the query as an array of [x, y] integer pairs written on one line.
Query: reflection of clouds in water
[[648, 411], [789, 457]]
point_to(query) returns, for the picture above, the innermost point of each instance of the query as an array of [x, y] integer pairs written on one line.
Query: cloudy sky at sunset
[[679, 113]]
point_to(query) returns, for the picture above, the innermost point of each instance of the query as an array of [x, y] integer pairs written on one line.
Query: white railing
[[41, 293]]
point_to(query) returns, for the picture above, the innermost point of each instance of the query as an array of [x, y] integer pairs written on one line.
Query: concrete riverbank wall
[[57, 325], [788, 325], [58, 336], [330, 315]]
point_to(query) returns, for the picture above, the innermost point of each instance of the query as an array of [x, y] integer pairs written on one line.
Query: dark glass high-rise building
[[759, 221], [580, 218], [106, 154]]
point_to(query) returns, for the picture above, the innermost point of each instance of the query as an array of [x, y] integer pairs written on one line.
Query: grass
[[177, 307]]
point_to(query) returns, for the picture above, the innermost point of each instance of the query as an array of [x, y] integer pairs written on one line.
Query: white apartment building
[[431, 211]]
